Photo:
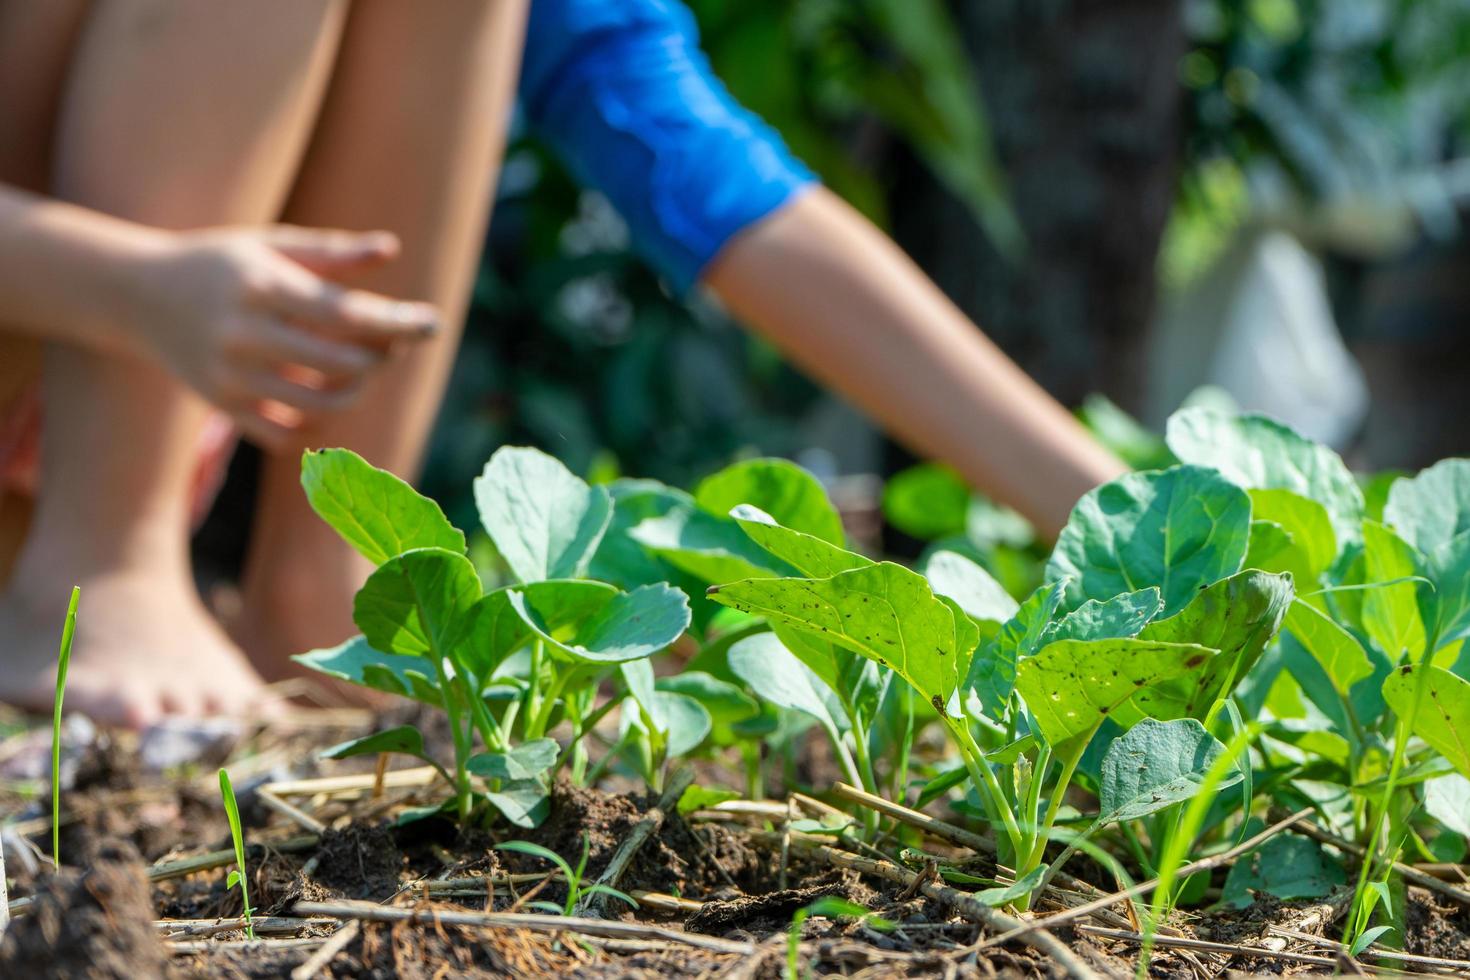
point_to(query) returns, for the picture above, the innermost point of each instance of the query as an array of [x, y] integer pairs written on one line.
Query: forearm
[[65, 271], [850, 308]]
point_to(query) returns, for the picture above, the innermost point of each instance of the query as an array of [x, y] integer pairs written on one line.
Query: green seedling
[[63, 662], [238, 875], [506, 665], [576, 891], [829, 906]]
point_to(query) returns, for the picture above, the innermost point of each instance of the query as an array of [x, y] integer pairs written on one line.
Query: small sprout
[[238, 874], [63, 661], [572, 876]]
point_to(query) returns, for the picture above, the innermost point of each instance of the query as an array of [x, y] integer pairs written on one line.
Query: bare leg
[[410, 141], [36, 42], [178, 115]]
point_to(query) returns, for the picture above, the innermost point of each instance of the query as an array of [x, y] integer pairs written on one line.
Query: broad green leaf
[[885, 612], [620, 559], [970, 586], [726, 703], [496, 627], [1447, 799], [1177, 529], [1287, 866], [526, 761], [524, 803], [1430, 509], [711, 547], [1337, 651], [792, 496], [405, 740], [1137, 446], [1441, 717], [356, 661], [1308, 525], [684, 721], [811, 556], [992, 673], [1391, 615], [1156, 764], [628, 625], [777, 676], [1272, 549], [418, 603], [1260, 453], [1071, 686], [545, 522], [373, 510], [927, 501], [1236, 617], [1121, 616]]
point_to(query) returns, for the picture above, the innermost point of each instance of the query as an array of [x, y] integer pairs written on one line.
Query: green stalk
[[63, 661], [531, 702], [1357, 923], [1053, 806], [462, 747], [980, 772], [232, 813]]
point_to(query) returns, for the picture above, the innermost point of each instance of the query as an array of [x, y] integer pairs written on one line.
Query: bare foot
[[145, 647]]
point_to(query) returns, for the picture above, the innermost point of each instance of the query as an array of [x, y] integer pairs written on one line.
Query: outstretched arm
[[848, 306], [624, 96]]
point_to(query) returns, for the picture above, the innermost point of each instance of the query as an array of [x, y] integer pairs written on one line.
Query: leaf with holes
[[1154, 765], [885, 612], [810, 555], [1237, 617], [1441, 716], [1071, 686]]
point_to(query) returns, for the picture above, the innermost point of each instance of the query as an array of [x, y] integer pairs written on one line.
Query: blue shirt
[[624, 97]]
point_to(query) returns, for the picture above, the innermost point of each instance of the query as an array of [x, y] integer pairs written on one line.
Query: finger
[[268, 434], [352, 314], [278, 343], [330, 251], [266, 384]]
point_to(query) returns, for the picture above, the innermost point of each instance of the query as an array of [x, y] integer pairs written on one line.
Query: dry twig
[[370, 912], [651, 823]]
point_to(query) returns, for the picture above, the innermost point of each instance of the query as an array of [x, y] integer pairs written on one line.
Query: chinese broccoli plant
[[507, 664]]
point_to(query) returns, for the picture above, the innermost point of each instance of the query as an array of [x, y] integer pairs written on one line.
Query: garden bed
[[142, 908]]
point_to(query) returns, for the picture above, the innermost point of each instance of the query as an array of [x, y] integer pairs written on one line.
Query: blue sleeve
[[624, 97]]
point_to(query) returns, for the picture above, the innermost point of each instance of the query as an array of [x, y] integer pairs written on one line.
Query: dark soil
[[98, 923]]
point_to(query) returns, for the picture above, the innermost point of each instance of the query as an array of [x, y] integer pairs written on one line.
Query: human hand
[[249, 319]]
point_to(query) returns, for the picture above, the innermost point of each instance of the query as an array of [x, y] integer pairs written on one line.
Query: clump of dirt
[[360, 861], [695, 863], [773, 910], [96, 923]]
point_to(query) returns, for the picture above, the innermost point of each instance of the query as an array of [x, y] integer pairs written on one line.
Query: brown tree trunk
[[1084, 103]]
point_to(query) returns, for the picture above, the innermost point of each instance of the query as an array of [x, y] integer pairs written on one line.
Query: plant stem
[[980, 772], [1053, 806]]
